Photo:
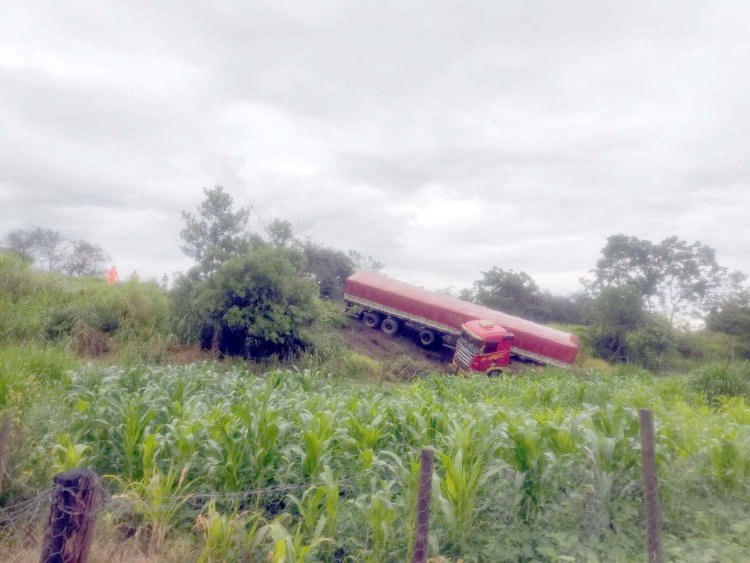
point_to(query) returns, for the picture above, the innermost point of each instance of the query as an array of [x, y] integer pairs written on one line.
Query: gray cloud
[[438, 137]]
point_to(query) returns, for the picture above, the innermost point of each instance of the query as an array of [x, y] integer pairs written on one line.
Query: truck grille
[[463, 355]]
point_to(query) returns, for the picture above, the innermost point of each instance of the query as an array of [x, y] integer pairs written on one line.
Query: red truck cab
[[484, 347]]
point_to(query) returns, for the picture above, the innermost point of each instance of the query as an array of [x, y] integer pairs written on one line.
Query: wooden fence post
[[4, 438], [426, 463], [75, 499], [650, 485]]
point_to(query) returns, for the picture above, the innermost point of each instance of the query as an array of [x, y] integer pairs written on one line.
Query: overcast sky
[[442, 138]]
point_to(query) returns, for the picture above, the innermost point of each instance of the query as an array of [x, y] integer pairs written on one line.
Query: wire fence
[[53, 516], [596, 502], [61, 517]]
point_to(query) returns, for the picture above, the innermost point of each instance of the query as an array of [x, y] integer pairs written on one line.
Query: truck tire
[[389, 326], [426, 337], [371, 319], [494, 373]]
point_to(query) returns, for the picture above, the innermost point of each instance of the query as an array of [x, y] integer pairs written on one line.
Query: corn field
[[298, 466]]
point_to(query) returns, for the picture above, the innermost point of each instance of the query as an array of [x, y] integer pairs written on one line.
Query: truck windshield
[[469, 343]]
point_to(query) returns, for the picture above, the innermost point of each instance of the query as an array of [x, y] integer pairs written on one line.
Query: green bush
[[649, 345], [255, 306]]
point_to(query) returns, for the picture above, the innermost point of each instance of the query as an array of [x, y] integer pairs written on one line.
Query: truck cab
[[484, 347]]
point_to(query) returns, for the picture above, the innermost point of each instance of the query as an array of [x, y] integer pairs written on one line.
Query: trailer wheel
[[389, 326], [371, 319], [494, 373], [426, 337]]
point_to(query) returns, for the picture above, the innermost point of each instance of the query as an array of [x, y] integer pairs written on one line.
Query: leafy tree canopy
[[362, 262], [674, 277], [255, 305], [325, 265], [517, 293], [512, 292], [328, 267], [216, 233]]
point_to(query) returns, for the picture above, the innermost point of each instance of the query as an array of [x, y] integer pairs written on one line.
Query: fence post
[[426, 463], [650, 485], [75, 499], [4, 437]]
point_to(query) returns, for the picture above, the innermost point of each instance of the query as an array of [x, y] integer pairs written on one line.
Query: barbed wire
[[24, 505], [590, 506]]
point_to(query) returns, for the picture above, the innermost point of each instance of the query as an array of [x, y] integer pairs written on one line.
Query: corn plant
[[318, 507], [160, 496], [69, 455], [316, 438], [730, 458], [380, 513], [291, 547], [525, 455], [222, 535], [542, 466]]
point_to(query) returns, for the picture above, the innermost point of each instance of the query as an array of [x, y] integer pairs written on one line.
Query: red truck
[[483, 339]]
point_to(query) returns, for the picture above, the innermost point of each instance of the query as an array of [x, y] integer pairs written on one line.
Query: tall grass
[[24, 367], [85, 315]]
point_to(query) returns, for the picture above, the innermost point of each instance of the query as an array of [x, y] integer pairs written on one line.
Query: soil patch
[[374, 343]]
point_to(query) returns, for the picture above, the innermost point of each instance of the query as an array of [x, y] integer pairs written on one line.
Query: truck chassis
[[389, 320]]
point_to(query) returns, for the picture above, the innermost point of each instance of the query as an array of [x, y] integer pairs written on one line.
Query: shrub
[[649, 344], [256, 306]]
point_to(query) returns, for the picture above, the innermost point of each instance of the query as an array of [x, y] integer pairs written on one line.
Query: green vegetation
[[250, 457], [542, 466], [253, 306], [83, 316]]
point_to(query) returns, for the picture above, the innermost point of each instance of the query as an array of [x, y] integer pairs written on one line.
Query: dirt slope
[[377, 345]]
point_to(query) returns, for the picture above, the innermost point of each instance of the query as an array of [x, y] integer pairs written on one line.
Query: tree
[[280, 233], [568, 309], [675, 278], [84, 259], [255, 305], [517, 293], [362, 262], [649, 344], [21, 242], [689, 277], [49, 247], [217, 233], [512, 292], [626, 261], [48, 250], [616, 311], [731, 313], [328, 267]]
